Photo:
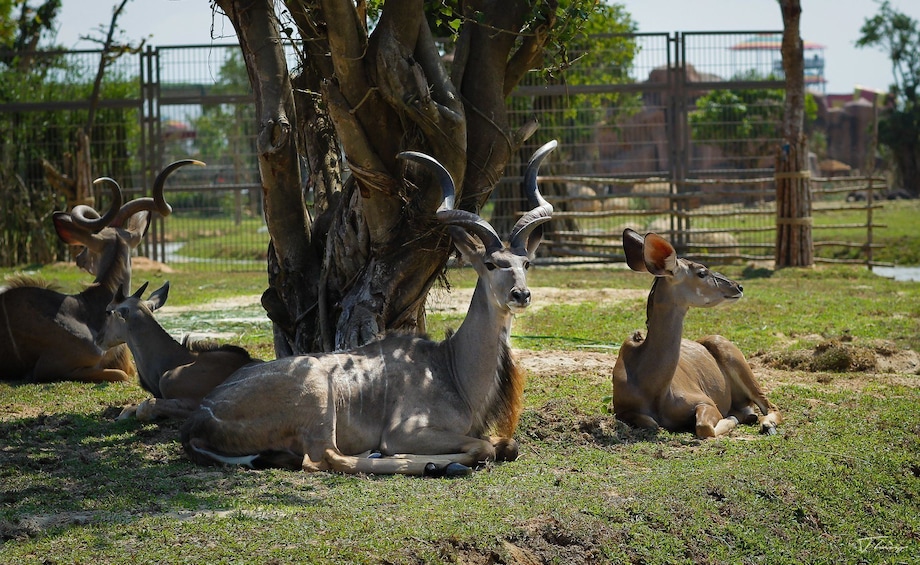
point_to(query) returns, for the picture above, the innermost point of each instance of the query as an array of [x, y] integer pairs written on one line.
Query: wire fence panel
[[674, 133]]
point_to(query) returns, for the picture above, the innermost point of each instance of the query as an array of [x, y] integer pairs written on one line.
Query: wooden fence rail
[[711, 220]]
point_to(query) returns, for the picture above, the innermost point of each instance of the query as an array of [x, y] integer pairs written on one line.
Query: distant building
[[770, 44]]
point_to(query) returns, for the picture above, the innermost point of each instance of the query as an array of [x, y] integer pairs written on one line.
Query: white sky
[[832, 23]]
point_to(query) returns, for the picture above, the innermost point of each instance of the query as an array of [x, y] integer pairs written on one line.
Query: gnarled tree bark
[[363, 264]]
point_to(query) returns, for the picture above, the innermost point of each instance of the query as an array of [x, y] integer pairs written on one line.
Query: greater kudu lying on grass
[[46, 335], [177, 375], [678, 384], [417, 402]]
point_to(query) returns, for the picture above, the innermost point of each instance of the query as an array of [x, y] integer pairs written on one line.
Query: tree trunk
[[289, 295], [794, 245], [364, 264]]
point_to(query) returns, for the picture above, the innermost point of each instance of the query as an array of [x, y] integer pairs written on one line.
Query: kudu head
[[126, 222], [501, 267], [689, 284], [125, 312]]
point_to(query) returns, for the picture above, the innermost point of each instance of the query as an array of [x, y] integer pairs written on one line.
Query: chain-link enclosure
[[673, 133]]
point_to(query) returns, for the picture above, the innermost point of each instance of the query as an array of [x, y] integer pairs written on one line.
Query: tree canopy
[[898, 35]]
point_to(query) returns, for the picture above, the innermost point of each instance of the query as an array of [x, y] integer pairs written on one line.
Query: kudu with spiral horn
[[417, 405], [49, 336]]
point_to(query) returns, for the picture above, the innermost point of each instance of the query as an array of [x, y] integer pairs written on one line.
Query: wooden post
[[794, 244]]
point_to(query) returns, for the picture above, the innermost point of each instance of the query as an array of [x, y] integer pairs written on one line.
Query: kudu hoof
[[449, 471]]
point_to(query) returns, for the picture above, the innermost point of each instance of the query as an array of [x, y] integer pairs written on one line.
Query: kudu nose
[[520, 296], [740, 288]]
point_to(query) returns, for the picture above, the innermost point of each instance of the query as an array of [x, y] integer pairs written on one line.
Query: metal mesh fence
[[668, 132]]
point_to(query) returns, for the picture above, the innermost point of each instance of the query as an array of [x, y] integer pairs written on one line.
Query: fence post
[[870, 200]]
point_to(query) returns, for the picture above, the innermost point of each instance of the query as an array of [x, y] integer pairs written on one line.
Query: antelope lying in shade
[[676, 383], [46, 335], [177, 375], [434, 403]]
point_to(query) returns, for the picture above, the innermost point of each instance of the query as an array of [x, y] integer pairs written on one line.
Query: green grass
[[840, 482], [221, 239], [900, 238]]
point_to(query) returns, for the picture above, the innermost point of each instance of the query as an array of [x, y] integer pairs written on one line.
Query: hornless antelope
[[47, 336], [178, 376], [676, 383], [432, 402]]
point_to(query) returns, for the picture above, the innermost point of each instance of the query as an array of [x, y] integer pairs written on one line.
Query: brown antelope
[[679, 384], [178, 375], [432, 402], [46, 335]]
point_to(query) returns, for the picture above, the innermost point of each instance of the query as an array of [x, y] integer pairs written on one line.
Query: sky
[[832, 23]]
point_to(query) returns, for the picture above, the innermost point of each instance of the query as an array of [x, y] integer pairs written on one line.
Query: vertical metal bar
[[869, 206], [680, 128], [153, 148]]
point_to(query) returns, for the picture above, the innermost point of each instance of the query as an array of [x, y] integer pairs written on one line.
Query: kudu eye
[[526, 265], [490, 266]]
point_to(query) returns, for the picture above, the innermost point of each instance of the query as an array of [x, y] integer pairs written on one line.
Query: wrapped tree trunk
[[794, 244]]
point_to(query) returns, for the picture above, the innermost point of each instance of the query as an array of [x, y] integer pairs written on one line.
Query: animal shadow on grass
[[55, 466]]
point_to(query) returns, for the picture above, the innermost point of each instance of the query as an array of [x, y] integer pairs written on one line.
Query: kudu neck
[[477, 343], [114, 268], [155, 352], [665, 324]]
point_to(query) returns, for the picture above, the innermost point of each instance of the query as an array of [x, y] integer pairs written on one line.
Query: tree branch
[[492, 35]]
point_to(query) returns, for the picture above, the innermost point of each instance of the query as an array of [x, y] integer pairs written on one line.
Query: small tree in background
[[744, 123], [899, 125]]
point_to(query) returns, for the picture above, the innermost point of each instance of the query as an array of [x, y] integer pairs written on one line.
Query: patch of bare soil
[[549, 363], [542, 540], [458, 299], [861, 362], [150, 266], [230, 303]]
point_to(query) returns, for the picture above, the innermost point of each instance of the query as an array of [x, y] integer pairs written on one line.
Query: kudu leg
[[746, 390], [51, 371], [155, 408], [451, 464], [710, 423], [506, 448], [452, 453]]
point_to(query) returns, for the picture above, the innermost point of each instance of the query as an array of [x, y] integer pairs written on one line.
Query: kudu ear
[[158, 297], [140, 291], [71, 233], [660, 256], [118, 298], [136, 226], [633, 244], [467, 243]]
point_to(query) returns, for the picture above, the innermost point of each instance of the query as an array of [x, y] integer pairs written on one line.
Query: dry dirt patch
[[458, 299]]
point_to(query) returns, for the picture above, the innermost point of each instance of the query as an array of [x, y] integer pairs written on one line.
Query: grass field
[[835, 348]]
